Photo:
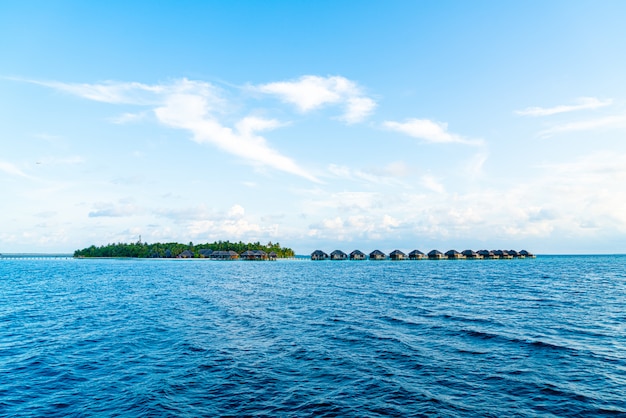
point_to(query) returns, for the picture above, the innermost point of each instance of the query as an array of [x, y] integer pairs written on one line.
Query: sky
[[319, 125]]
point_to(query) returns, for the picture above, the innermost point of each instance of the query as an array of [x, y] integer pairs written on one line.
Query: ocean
[[488, 338]]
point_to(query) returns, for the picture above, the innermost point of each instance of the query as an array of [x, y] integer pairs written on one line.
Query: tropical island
[[217, 250]]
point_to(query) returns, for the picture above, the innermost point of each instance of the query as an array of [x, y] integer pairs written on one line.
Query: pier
[[35, 256]]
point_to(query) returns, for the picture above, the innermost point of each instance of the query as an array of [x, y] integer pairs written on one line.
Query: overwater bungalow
[[377, 255], [338, 255], [272, 256], [526, 254], [486, 254], [254, 255], [357, 255], [224, 255], [397, 255], [454, 255], [416, 255], [471, 255], [247, 255], [319, 255], [514, 254], [435, 255], [501, 254]]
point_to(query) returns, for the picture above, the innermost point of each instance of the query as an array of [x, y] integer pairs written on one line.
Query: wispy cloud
[[428, 130], [12, 169], [129, 118], [110, 210], [388, 175], [190, 112], [109, 92], [196, 107], [311, 92], [607, 122], [582, 103]]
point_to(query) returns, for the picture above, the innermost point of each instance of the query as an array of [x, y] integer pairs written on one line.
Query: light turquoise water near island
[[535, 337]]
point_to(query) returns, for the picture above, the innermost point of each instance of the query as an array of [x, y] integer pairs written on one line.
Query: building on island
[[224, 255], [185, 254], [205, 252], [526, 254], [357, 255], [254, 255]]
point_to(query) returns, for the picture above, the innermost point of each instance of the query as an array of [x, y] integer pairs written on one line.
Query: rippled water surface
[[542, 337]]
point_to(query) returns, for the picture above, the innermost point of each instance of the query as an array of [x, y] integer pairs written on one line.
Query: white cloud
[[109, 92], [128, 118], [435, 132], [432, 184], [385, 175], [311, 92], [193, 106], [109, 210], [582, 103], [12, 169], [237, 212], [609, 122], [70, 160], [190, 112]]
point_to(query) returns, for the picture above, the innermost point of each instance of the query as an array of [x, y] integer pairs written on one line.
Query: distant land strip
[[219, 250]]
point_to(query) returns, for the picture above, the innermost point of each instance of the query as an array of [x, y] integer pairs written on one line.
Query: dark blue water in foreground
[[542, 337]]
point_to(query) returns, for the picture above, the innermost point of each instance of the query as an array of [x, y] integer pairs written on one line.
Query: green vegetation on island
[[177, 250]]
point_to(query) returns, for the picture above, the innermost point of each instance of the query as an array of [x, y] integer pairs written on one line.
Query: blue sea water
[[535, 337]]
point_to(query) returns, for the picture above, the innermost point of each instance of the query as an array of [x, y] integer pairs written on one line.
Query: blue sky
[[352, 124]]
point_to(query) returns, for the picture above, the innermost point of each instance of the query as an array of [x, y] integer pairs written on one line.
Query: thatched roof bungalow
[[454, 255], [471, 255], [397, 255], [486, 254], [224, 255], [205, 252], [260, 255], [319, 255], [254, 255], [338, 255], [527, 254], [357, 255], [501, 254], [185, 254], [416, 255], [377, 255], [272, 256], [514, 254], [435, 255], [247, 255]]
